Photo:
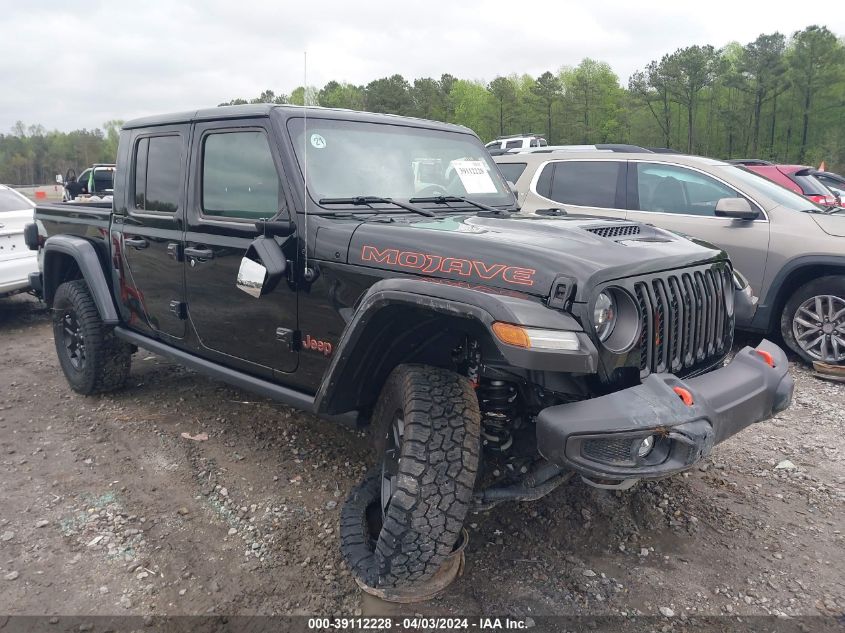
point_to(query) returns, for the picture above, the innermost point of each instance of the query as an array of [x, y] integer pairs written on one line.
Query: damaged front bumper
[[664, 425]]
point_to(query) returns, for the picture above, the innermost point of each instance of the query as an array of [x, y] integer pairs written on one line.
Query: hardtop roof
[[288, 110]]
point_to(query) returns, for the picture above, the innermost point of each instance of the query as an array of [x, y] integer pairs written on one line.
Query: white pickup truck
[[16, 260]]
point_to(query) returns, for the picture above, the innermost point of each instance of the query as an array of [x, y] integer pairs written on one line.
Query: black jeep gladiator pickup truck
[[492, 354]]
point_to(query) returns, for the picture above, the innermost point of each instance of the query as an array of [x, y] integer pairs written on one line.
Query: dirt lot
[[108, 510]]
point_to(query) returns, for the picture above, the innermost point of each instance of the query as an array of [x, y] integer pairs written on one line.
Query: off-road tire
[[437, 469], [831, 285], [107, 359]]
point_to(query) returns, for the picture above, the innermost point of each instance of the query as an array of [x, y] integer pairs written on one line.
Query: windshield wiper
[[448, 199], [369, 201]]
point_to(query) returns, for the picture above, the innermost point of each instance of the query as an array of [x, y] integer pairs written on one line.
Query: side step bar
[[233, 377]]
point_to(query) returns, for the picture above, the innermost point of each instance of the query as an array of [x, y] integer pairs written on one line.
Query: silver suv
[[791, 251]]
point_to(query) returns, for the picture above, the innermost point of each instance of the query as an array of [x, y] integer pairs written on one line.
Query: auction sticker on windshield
[[318, 141], [474, 176]]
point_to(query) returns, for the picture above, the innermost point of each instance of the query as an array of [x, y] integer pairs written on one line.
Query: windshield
[[350, 158], [779, 195], [13, 201]]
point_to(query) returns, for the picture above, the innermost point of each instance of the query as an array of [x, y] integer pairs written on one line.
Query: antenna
[[305, 271]]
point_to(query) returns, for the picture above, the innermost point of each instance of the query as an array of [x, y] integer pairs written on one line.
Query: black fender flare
[[764, 317], [84, 253], [482, 305]]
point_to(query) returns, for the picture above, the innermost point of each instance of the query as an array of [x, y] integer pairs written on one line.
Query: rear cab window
[[158, 173]]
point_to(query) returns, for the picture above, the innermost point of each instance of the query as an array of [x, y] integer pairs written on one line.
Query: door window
[[513, 144], [586, 183], [671, 189], [158, 173], [239, 177]]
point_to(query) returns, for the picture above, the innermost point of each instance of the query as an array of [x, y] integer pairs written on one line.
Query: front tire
[[402, 522], [813, 321], [93, 359]]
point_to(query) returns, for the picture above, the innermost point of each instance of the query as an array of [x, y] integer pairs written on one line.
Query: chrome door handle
[[199, 253], [136, 242]]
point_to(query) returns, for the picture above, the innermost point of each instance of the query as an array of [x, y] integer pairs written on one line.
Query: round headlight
[[604, 315]]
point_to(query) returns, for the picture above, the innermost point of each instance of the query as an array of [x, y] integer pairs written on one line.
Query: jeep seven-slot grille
[[615, 231], [684, 319]]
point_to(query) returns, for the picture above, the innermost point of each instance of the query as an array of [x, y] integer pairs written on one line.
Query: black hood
[[524, 253]]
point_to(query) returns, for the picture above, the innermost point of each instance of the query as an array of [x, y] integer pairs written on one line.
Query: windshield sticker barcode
[[474, 176]]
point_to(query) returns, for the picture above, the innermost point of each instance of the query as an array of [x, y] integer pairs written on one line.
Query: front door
[[148, 234], [682, 199], [235, 176]]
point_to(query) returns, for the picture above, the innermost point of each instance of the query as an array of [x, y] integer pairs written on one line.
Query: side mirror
[[262, 267], [737, 208], [251, 277]]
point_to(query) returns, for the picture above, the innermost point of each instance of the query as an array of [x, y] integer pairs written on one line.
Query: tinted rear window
[[103, 179], [512, 171], [544, 182], [158, 175], [586, 183], [810, 185]]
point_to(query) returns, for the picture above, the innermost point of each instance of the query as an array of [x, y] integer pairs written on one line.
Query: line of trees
[[779, 98], [31, 155]]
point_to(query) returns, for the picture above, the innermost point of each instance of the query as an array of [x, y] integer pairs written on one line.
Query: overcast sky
[[73, 65]]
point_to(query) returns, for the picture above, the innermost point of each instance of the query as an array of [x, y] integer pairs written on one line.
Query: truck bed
[[72, 218]]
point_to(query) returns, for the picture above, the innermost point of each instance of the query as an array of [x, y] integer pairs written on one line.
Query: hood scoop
[[615, 230]]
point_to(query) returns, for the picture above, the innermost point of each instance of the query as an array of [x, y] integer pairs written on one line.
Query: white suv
[[16, 260], [522, 141]]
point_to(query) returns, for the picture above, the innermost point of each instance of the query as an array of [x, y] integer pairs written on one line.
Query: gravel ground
[[109, 510]]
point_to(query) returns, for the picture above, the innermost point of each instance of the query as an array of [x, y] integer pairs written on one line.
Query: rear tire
[[401, 523], [93, 359], [813, 321]]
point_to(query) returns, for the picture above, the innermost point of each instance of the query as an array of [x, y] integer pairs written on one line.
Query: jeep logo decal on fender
[[316, 345], [450, 265]]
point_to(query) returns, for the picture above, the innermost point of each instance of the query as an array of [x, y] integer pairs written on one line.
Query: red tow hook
[[684, 394], [770, 361]]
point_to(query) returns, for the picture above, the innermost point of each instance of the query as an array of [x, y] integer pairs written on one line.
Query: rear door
[[235, 181], [683, 199], [582, 187], [150, 231]]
